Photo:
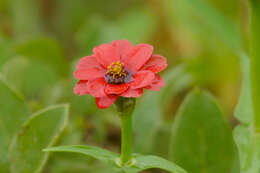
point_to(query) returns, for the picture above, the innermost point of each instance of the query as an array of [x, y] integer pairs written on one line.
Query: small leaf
[[202, 139], [147, 162], [95, 152], [39, 132]]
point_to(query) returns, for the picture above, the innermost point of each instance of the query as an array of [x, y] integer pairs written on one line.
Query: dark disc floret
[[117, 74]]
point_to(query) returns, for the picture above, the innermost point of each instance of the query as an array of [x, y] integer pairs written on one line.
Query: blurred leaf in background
[[26, 150], [13, 113], [202, 140]]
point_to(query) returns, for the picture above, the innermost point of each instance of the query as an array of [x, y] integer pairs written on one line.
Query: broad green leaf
[[40, 131], [100, 154], [139, 163], [44, 51], [13, 113], [202, 139]]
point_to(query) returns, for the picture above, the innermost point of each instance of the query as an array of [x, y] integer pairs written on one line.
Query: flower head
[[119, 69]]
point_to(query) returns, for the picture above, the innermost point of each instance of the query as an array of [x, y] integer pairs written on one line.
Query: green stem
[[255, 59], [125, 107], [126, 139]]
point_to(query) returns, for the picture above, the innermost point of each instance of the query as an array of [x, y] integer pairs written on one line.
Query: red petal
[[156, 84], [88, 74], [138, 56], [116, 89], [106, 54], [124, 47], [105, 102], [142, 79], [133, 93], [88, 62], [96, 87], [81, 88], [155, 64]]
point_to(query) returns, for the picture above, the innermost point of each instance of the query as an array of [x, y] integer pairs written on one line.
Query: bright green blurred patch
[[45, 51], [6, 50]]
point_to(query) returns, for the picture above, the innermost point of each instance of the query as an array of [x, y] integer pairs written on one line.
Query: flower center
[[116, 74]]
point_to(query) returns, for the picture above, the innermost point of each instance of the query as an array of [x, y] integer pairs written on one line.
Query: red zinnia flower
[[119, 69]]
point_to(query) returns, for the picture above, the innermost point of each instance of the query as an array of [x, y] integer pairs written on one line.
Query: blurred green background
[[42, 40]]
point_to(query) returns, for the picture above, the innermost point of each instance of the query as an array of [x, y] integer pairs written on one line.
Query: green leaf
[[100, 154], [40, 131], [139, 163], [13, 113], [143, 162], [202, 139]]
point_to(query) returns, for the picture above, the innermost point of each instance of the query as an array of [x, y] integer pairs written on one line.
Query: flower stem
[[125, 107], [255, 59], [126, 138]]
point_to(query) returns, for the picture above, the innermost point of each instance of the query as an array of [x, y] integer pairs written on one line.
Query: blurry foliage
[[42, 40], [210, 146]]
